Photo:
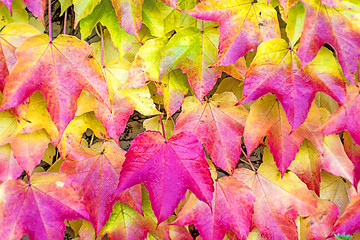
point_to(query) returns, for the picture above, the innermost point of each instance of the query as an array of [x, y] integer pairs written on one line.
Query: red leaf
[[167, 169], [353, 152], [59, 70], [277, 69], [218, 125], [348, 222], [345, 116], [232, 209], [96, 176], [115, 121], [243, 26], [277, 202], [38, 208], [324, 24], [319, 225]]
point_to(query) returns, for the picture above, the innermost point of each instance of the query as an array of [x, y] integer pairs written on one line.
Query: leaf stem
[[28, 177], [92, 139], [49, 15], [252, 166], [65, 20], [162, 125], [102, 46]]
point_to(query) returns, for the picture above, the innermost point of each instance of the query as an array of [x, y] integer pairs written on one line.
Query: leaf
[[193, 51], [243, 26], [324, 24], [18, 13], [295, 23], [174, 19], [173, 86], [115, 121], [145, 67], [218, 124], [37, 7], [232, 208], [10, 38], [9, 167], [65, 4], [71, 69], [96, 175], [153, 18], [307, 166], [335, 159], [348, 221], [293, 86], [335, 189], [125, 223], [266, 118], [36, 118], [167, 169], [29, 149], [344, 117], [8, 126], [83, 8], [128, 13], [155, 125], [278, 200], [105, 14], [319, 225], [353, 152], [73, 133], [51, 199]]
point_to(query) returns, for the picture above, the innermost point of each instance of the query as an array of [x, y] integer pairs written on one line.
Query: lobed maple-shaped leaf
[[324, 24], [243, 25], [96, 175], [38, 208], [218, 125], [59, 70], [278, 200], [267, 118], [9, 167], [345, 116], [277, 69], [167, 168], [128, 13], [10, 38], [232, 209], [193, 51]]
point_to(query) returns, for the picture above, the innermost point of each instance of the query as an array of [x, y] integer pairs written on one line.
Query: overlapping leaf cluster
[[288, 73]]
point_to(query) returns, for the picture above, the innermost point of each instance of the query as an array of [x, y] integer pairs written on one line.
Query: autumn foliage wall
[[224, 76]]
